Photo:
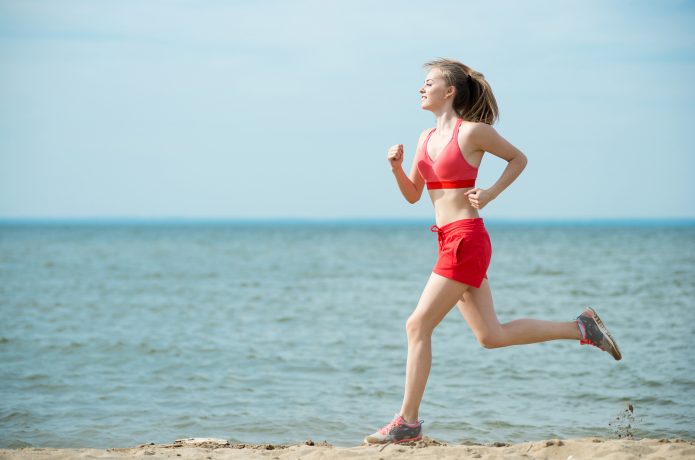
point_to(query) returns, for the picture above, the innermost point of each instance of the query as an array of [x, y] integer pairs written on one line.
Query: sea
[[121, 333]]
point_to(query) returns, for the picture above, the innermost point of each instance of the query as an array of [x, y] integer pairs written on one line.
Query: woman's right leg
[[438, 298], [477, 308]]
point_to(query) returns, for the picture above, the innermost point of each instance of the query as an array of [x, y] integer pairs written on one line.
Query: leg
[[477, 308], [437, 299]]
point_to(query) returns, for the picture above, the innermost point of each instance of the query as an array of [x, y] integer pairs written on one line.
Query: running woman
[[447, 161]]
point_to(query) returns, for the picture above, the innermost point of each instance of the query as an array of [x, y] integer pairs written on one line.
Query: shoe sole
[[417, 438], [614, 346]]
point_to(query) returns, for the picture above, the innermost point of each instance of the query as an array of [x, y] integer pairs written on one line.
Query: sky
[[153, 109]]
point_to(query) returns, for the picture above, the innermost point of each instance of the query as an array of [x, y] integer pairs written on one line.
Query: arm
[[411, 186], [487, 139]]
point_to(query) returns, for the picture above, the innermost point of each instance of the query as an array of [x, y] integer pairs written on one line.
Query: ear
[[450, 92]]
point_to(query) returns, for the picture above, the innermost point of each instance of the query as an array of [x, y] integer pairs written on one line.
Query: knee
[[416, 327], [490, 341]]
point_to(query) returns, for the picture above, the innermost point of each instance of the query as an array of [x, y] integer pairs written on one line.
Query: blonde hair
[[473, 100]]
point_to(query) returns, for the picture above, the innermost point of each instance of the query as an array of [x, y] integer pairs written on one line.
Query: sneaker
[[397, 431], [594, 333]]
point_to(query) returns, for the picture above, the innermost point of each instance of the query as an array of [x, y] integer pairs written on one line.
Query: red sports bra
[[450, 169]]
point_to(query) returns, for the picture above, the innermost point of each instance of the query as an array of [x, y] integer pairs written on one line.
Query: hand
[[479, 197], [395, 155]]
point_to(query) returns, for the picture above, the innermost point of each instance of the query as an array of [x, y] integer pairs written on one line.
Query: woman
[[447, 161]]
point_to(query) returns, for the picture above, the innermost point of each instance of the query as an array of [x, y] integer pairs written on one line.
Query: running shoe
[[595, 333], [397, 431]]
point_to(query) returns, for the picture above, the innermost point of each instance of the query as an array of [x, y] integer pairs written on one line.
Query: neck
[[446, 121]]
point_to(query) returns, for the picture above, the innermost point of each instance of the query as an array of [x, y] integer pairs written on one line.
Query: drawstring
[[440, 235]]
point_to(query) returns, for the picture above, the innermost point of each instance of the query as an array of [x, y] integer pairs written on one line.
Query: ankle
[[409, 418], [581, 328]]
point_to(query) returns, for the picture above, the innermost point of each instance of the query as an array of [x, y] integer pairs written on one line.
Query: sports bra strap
[[454, 136], [456, 129], [429, 135]]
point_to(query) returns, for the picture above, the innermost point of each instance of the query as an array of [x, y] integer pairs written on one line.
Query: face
[[435, 93]]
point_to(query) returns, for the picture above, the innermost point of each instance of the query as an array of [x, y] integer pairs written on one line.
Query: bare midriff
[[451, 204]]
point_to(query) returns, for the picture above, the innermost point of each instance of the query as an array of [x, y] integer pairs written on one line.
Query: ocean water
[[117, 334]]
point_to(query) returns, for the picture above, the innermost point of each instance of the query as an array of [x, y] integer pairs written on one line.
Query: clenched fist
[[395, 155]]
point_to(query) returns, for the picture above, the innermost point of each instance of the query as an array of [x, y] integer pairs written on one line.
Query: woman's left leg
[[437, 300], [477, 308]]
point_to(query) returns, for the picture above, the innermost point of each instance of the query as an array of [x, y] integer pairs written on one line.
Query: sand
[[211, 449]]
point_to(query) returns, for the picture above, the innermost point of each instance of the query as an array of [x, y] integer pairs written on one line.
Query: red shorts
[[464, 251]]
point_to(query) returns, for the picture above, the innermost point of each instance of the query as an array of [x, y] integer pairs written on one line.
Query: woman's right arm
[[410, 186]]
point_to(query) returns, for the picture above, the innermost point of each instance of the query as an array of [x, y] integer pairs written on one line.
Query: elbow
[[413, 195], [522, 160]]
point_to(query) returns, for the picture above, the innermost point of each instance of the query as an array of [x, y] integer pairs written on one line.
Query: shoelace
[[395, 422], [587, 342], [392, 424], [584, 340]]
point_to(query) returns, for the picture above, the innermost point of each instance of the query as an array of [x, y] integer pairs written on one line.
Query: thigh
[[437, 299], [477, 308]]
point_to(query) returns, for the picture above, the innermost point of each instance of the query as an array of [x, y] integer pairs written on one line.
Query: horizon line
[[681, 221]]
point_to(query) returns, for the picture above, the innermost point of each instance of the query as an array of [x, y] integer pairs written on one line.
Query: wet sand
[[203, 448]]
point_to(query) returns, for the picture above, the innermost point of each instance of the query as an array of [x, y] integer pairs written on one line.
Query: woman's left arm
[[487, 139]]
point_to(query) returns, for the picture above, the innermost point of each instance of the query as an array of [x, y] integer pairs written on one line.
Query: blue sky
[[211, 109]]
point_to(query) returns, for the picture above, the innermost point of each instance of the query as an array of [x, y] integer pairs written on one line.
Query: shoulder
[[425, 132], [480, 134], [484, 137], [423, 136], [477, 129]]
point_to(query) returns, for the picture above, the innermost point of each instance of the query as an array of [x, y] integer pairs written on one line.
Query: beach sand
[[202, 448]]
